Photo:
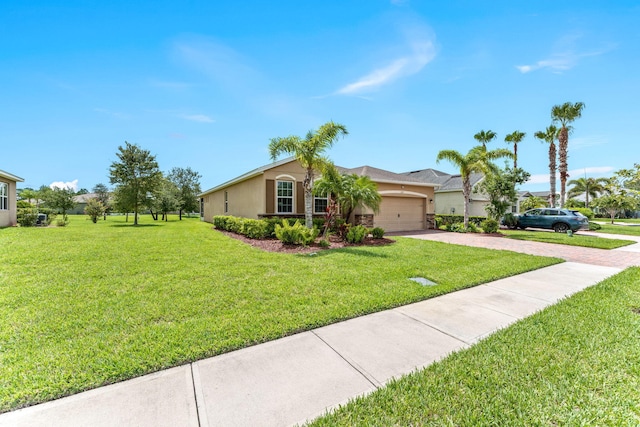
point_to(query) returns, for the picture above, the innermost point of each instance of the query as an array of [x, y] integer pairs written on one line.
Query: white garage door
[[401, 214]]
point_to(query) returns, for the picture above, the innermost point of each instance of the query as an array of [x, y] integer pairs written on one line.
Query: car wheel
[[560, 227]]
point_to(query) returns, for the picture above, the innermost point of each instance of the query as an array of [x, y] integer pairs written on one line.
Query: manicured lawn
[[91, 304], [564, 239], [633, 230], [573, 364]]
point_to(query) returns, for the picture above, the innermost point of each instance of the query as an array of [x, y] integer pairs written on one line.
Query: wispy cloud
[[590, 141], [202, 118], [116, 114], [421, 51], [564, 57], [70, 185]]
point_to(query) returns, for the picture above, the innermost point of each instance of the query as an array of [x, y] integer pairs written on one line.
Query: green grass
[[626, 220], [91, 304], [564, 239], [573, 364], [620, 229]]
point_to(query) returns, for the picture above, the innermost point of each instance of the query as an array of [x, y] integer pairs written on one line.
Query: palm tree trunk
[[552, 173], [563, 140], [515, 155], [308, 208], [466, 193]]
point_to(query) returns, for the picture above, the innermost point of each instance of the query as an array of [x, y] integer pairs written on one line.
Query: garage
[[401, 214]]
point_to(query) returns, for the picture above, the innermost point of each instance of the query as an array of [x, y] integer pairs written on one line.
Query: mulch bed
[[275, 245]]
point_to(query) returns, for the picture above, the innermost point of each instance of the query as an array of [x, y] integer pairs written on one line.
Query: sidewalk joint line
[[195, 393], [349, 363]]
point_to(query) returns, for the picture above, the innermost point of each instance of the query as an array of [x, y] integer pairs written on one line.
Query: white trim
[[403, 193], [293, 197], [10, 176], [283, 176]]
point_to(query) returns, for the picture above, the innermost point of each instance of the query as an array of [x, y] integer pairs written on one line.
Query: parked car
[[559, 220]]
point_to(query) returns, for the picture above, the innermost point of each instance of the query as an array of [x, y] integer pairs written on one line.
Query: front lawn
[[91, 304], [631, 230], [564, 239], [573, 364]]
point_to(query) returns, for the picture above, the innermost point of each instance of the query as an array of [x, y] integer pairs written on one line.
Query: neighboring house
[[523, 195], [448, 195], [81, 203], [8, 198], [276, 190]]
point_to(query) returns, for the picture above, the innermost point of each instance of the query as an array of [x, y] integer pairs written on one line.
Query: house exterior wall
[[444, 202], [248, 198], [8, 216], [399, 190]]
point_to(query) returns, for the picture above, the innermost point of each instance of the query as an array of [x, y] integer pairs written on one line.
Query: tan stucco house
[[8, 198], [449, 199], [276, 190]]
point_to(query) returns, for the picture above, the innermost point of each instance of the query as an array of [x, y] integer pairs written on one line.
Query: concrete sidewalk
[[298, 378]]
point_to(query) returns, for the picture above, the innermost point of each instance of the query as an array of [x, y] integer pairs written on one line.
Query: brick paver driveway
[[619, 258]]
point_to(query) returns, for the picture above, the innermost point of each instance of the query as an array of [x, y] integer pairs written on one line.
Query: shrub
[[356, 234], [220, 222], [594, 226], [377, 232], [61, 222], [586, 212], [489, 225], [296, 234], [27, 217], [453, 219], [255, 228], [324, 243], [510, 220]]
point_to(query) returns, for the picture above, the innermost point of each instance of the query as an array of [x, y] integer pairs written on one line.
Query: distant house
[[275, 190], [448, 195], [81, 203], [523, 195], [8, 198]]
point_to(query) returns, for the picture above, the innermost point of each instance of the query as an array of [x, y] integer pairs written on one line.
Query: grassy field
[[91, 304], [564, 239], [620, 229], [573, 364]]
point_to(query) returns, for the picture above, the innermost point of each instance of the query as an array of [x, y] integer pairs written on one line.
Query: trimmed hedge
[[445, 220], [252, 228]]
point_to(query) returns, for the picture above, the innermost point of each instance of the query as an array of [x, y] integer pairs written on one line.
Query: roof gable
[[10, 176]]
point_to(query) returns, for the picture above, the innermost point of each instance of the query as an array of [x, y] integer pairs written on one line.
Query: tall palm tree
[[549, 136], [479, 160], [308, 152], [515, 138], [565, 114], [588, 186], [484, 137]]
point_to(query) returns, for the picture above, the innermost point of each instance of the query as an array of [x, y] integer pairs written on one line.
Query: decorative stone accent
[[366, 220], [431, 221]]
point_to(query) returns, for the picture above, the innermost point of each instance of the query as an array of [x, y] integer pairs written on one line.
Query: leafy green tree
[[187, 182], [565, 114], [167, 199], [549, 135], [350, 191], [102, 194], [62, 200], [123, 200], [532, 202], [484, 137], [28, 194], [630, 178], [500, 186], [82, 191], [43, 194], [137, 171], [590, 187], [309, 152], [94, 209], [479, 160], [515, 138], [616, 202]]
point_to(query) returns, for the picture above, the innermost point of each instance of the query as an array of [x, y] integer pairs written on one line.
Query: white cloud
[[71, 185], [591, 171], [591, 141], [565, 56], [198, 118], [421, 52]]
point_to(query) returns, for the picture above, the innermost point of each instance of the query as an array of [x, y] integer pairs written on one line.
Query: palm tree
[[349, 191], [515, 138], [565, 114], [549, 135], [308, 152], [485, 137], [476, 160], [587, 186]]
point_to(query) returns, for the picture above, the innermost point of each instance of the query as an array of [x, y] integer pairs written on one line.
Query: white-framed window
[[4, 196], [320, 204], [284, 196], [226, 202]]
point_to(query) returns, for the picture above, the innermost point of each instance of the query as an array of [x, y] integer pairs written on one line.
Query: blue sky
[[206, 84]]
